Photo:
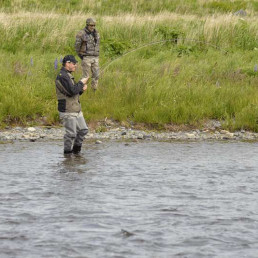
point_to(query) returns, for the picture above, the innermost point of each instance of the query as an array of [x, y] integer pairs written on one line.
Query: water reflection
[[72, 164]]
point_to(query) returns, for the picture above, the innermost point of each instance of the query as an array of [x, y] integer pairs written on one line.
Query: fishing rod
[[105, 66]]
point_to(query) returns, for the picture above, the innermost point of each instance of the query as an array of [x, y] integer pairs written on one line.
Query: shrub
[[169, 33], [114, 47]]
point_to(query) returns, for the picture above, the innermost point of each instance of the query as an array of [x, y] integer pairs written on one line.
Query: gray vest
[[66, 103]]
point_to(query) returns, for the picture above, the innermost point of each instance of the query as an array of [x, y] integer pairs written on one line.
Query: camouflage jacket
[[68, 92], [87, 43]]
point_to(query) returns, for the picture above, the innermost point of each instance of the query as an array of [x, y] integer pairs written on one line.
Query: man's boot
[[67, 153], [76, 149]]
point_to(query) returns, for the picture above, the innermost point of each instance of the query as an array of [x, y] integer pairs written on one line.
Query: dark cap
[[69, 59]]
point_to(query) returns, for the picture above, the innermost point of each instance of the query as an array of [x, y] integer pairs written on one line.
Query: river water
[[137, 199]]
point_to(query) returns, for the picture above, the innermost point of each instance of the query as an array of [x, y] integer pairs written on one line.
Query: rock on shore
[[122, 133]]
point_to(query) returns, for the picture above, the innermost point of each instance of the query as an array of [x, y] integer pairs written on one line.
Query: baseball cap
[[69, 59], [90, 21]]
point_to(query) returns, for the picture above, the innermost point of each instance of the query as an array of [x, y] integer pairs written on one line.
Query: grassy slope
[[208, 74]]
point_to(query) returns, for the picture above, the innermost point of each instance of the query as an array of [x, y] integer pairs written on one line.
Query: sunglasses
[[92, 25]]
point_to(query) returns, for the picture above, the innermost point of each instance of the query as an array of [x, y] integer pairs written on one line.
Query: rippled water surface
[[145, 199]]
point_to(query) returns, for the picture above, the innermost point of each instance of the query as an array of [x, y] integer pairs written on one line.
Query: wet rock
[[224, 132], [57, 133], [147, 136], [126, 233], [190, 135], [140, 136], [26, 136], [18, 128], [31, 129]]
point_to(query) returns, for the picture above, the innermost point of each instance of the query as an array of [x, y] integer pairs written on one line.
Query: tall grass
[[184, 89], [205, 72], [115, 7]]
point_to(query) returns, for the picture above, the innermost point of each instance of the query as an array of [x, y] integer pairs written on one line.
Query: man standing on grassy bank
[[87, 48], [69, 106]]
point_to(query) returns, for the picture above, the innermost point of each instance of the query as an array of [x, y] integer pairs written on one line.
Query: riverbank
[[122, 133], [154, 69]]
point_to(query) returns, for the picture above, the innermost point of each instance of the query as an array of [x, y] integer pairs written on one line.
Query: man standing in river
[[69, 106], [87, 47]]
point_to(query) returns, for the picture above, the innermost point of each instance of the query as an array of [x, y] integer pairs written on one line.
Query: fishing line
[[105, 66]]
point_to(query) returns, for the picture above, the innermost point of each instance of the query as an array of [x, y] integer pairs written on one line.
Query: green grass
[[114, 7], [205, 72], [185, 90]]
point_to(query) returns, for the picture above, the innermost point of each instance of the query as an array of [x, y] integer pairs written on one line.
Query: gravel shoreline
[[122, 133]]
